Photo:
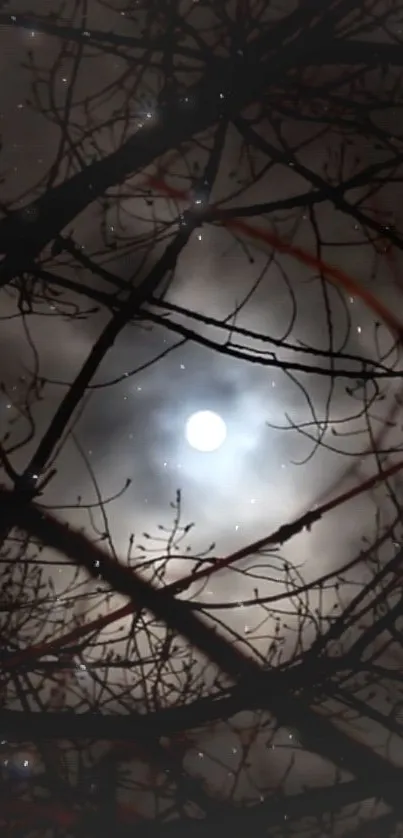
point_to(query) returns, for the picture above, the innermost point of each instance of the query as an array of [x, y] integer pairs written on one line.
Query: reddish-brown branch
[[267, 238], [280, 536]]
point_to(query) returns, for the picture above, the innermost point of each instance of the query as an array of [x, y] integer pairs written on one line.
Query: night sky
[[131, 426]]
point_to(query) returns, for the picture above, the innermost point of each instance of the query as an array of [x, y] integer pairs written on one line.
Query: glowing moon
[[206, 430]]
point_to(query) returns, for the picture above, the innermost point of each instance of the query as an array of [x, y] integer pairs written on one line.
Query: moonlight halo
[[205, 431]]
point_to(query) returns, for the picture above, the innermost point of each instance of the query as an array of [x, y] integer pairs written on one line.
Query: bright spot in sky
[[205, 430]]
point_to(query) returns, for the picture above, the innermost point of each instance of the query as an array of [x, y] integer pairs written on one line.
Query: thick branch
[[22, 240], [316, 732]]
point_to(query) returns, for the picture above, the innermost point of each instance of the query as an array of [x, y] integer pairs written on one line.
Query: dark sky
[[135, 428]]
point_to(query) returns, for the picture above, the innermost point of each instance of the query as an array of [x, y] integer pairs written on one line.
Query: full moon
[[205, 430]]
